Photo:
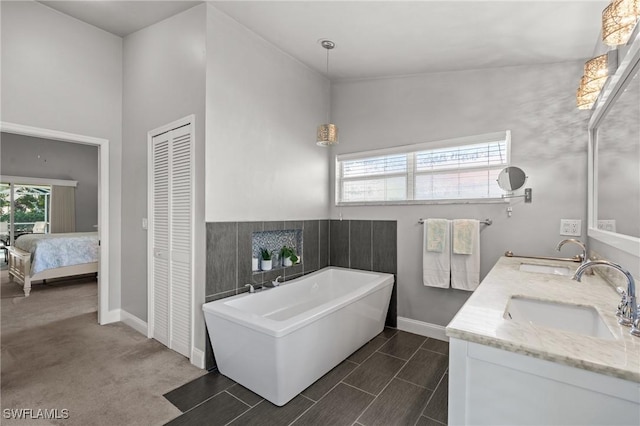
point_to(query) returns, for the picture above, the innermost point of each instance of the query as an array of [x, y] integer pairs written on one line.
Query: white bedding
[[49, 251]]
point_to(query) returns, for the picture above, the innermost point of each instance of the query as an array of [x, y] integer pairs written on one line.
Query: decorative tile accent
[[275, 240]]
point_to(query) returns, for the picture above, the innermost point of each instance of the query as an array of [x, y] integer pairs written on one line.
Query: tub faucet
[[584, 259], [273, 284], [628, 309], [253, 288]]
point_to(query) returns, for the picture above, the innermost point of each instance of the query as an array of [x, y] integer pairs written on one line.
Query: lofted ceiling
[[385, 38], [120, 17]]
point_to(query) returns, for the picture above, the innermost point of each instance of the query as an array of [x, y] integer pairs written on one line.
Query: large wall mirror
[[614, 164]]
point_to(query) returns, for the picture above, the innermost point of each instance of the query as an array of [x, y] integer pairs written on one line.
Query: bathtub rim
[[275, 328]]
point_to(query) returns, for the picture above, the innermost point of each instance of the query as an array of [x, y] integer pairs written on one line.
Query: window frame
[[411, 174]]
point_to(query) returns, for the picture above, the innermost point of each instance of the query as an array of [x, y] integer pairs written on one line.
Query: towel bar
[[487, 222]]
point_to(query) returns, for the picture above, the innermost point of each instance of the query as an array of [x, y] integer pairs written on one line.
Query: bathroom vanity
[[532, 346]]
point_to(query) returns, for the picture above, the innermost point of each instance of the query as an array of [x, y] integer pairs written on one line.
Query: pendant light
[[619, 20], [327, 134]]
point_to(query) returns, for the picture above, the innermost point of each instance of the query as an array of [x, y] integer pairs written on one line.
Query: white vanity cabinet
[[490, 386], [506, 371]]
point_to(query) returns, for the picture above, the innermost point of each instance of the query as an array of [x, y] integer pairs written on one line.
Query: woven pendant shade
[[619, 20], [327, 135]]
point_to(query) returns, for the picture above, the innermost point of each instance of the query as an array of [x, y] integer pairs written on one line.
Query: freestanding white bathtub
[[279, 341]]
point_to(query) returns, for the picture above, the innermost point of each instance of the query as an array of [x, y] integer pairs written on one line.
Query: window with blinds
[[463, 169]]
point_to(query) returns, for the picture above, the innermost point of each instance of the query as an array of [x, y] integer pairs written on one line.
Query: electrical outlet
[[571, 227], [607, 225]]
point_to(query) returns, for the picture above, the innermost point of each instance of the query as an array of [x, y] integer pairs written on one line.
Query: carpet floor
[[55, 356]]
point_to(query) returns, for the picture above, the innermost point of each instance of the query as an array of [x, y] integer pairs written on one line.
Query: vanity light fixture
[[587, 94], [327, 134], [596, 71], [619, 20]]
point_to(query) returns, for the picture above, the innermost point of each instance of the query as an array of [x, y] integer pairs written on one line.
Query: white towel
[[437, 231], [465, 268], [436, 266]]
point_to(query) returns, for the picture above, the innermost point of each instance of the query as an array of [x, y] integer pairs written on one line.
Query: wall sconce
[[586, 95], [619, 20]]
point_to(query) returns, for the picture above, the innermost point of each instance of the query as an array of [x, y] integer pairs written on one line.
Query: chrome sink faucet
[[584, 258], [628, 309]]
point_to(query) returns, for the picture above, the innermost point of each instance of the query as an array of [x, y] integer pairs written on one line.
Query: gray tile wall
[[359, 244], [229, 254], [371, 245]]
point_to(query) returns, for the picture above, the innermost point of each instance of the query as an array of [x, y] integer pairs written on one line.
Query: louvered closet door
[[180, 231], [172, 237], [160, 188]]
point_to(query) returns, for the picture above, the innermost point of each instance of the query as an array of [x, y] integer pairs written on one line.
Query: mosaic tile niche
[[273, 241]]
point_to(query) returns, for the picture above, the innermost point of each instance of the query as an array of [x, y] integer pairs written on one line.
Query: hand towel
[[436, 266], [464, 231], [437, 230], [465, 268]]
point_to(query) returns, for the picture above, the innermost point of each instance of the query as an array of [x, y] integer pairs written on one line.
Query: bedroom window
[[455, 171]]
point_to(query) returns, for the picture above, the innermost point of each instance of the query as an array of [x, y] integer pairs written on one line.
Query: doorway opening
[[104, 314]]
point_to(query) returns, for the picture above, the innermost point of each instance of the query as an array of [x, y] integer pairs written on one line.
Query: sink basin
[[545, 269], [564, 316]]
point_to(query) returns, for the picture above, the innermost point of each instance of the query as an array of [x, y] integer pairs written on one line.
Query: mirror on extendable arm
[[511, 179]]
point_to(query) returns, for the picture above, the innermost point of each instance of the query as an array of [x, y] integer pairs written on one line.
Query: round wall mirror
[[511, 178]]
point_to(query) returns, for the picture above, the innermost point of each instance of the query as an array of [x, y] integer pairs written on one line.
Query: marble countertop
[[481, 319]]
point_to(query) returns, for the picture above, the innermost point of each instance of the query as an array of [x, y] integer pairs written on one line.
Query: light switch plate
[[145, 223], [571, 227]]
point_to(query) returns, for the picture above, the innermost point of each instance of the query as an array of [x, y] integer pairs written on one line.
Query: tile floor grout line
[[242, 414], [415, 384], [303, 413], [437, 421], [361, 390], [382, 391], [197, 405], [432, 395], [246, 403], [313, 403]]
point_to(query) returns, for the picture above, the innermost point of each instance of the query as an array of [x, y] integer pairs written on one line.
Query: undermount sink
[[564, 316], [545, 269]]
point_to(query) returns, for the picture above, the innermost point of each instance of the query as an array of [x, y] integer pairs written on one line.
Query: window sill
[[423, 202]]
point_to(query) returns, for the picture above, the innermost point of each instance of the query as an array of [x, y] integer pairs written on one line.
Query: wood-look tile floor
[[398, 378]]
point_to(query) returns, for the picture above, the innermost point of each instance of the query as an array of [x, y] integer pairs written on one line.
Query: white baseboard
[[197, 358], [134, 322], [426, 329], [110, 316]]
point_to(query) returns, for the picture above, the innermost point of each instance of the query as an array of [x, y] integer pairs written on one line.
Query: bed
[[44, 256]]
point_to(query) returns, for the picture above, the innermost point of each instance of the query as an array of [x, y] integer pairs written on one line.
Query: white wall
[[263, 107], [164, 80], [35, 157], [61, 74], [549, 141]]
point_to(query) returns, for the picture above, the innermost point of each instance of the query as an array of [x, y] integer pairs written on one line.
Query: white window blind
[[463, 169]]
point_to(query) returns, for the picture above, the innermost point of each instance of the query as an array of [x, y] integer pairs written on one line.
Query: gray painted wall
[[549, 141], [262, 111], [164, 80], [35, 157], [61, 74]]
